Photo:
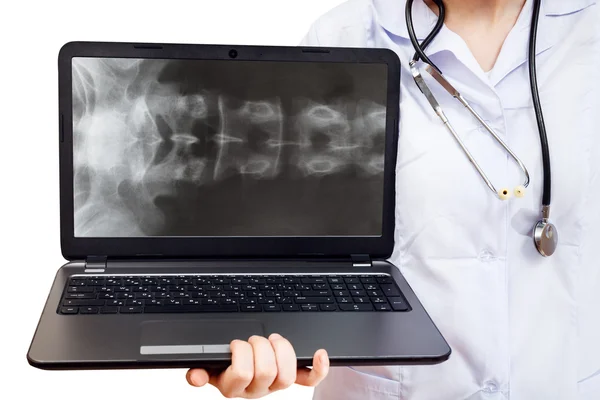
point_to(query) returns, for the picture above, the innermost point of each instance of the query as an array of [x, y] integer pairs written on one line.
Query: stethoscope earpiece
[[520, 191], [504, 194]]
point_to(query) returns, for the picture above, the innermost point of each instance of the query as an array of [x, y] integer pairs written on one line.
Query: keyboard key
[[385, 279], [338, 286], [80, 296], [310, 307], [310, 281], [80, 289], [130, 310], [77, 302], [376, 293], [316, 293], [88, 310], [271, 307], [398, 303], [328, 307], [336, 279], [378, 300], [390, 290], [382, 307], [341, 293], [109, 310], [190, 309], [355, 286], [154, 302], [371, 286], [351, 280], [69, 310], [367, 279], [250, 307], [358, 293], [344, 300], [360, 300], [290, 307], [314, 300], [356, 307], [285, 300]]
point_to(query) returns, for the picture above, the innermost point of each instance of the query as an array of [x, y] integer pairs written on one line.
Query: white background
[[32, 33]]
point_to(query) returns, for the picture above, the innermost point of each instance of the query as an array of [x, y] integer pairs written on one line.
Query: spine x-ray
[[227, 148]]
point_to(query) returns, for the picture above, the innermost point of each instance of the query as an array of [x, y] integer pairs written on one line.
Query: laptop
[[211, 193]]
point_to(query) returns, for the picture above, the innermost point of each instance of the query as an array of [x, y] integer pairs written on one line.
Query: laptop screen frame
[[73, 247]]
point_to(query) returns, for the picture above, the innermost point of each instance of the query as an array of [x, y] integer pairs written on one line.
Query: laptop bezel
[[224, 247]]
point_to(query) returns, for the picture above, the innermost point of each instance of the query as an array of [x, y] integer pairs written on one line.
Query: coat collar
[[391, 15]]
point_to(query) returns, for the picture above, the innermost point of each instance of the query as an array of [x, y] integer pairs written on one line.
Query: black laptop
[[212, 193]]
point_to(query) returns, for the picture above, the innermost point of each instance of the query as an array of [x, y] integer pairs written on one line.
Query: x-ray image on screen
[[227, 148]]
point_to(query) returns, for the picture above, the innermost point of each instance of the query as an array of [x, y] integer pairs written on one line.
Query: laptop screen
[[222, 148]]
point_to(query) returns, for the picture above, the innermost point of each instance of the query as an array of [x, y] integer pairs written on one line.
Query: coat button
[[486, 256], [490, 387]]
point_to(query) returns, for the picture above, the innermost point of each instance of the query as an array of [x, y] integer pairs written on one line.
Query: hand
[[261, 366]]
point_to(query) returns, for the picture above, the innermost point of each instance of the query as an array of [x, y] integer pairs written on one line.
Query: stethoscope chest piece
[[545, 236]]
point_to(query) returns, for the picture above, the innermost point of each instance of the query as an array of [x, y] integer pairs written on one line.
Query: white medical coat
[[521, 326]]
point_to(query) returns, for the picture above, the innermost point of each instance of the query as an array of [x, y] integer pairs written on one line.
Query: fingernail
[[323, 358], [275, 336]]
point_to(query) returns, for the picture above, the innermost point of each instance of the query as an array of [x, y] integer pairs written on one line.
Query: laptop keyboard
[[103, 294]]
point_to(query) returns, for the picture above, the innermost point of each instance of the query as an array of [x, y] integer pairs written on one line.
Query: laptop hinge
[[95, 264], [361, 260]]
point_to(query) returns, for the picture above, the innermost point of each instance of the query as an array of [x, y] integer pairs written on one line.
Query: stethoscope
[[545, 235]]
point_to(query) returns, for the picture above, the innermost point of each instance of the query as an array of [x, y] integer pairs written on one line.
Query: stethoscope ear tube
[[539, 114]]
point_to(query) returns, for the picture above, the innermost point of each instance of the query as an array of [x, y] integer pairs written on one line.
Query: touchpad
[[195, 337]]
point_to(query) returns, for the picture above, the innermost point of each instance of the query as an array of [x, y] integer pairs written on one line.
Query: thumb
[[197, 377], [313, 376]]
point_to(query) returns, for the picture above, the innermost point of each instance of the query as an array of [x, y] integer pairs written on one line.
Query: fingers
[[234, 381], [285, 357], [265, 366], [261, 366], [197, 377], [320, 369]]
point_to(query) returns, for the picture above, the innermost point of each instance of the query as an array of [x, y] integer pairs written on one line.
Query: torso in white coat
[[521, 326]]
